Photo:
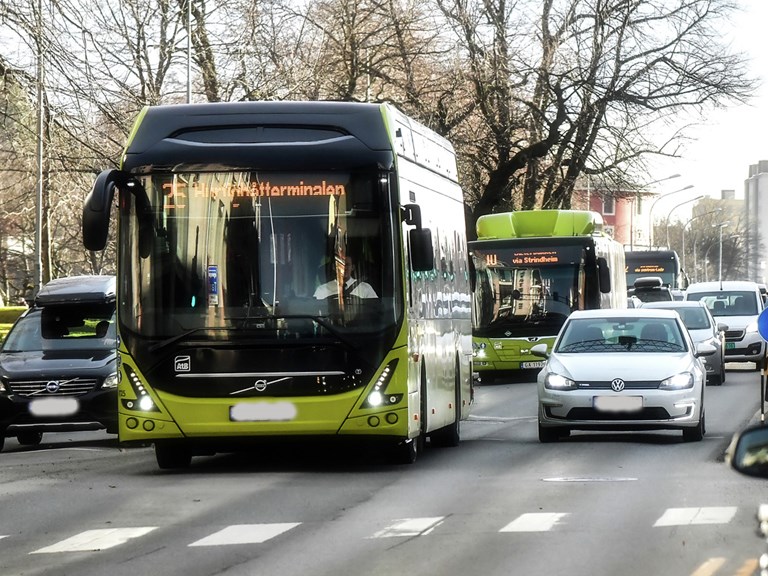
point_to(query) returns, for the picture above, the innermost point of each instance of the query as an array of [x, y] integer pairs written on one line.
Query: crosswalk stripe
[[245, 534], [410, 527], [690, 516], [534, 522], [94, 540]]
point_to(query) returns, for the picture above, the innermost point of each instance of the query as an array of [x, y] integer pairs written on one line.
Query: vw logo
[[617, 384], [52, 386]]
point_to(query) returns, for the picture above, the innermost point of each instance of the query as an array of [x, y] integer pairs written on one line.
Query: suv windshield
[[82, 327], [722, 303]]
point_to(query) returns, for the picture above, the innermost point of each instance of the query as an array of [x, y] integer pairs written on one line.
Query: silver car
[[703, 328], [622, 370]]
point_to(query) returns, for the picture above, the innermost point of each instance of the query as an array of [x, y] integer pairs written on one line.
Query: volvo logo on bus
[[617, 384]]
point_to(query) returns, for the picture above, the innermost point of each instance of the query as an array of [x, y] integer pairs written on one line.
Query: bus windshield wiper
[[173, 339]]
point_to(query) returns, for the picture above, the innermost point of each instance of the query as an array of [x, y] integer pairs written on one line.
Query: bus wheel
[[172, 456], [29, 438], [407, 451]]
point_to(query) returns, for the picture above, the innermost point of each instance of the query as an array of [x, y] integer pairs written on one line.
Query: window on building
[[609, 205]]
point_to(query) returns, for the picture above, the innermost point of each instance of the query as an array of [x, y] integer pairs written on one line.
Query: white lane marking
[[409, 527], [588, 479], [690, 516], [534, 522], [95, 540], [245, 534]]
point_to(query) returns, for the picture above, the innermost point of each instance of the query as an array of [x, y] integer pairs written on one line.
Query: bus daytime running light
[[144, 401], [378, 396]]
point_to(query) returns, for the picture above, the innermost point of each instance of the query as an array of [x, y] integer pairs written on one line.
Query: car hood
[[20, 365], [736, 322], [639, 366], [703, 335]]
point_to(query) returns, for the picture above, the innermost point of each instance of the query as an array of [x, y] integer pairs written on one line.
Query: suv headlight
[[554, 381], [110, 381], [677, 382]]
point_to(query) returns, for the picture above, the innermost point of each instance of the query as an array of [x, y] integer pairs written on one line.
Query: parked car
[[58, 364], [703, 328], [622, 370], [650, 289], [737, 304]]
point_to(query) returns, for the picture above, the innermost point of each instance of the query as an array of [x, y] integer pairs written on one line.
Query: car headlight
[[677, 382], [554, 381], [751, 327], [110, 381]]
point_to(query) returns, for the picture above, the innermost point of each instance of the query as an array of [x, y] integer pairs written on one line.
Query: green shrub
[[8, 314]]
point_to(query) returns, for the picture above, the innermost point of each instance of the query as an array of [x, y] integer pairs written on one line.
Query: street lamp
[[720, 263], [650, 212], [694, 241], [678, 206], [635, 207]]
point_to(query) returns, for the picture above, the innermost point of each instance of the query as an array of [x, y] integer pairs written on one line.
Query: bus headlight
[[378, 396]]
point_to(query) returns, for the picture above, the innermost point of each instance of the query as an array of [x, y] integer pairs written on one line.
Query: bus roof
[[539, 223]]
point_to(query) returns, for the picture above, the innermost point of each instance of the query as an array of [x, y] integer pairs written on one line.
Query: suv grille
[[66, 387], [734, 335]]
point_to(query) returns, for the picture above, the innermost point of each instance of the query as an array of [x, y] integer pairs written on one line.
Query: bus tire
[[407, 451], [172, 456]]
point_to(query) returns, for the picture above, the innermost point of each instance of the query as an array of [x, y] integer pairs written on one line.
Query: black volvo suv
[[58, 364]]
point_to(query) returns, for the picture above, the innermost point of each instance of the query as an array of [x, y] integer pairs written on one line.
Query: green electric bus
[[287, 270], [531, 270]]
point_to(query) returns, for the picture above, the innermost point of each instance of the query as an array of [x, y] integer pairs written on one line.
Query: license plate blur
[[618, 403], [53, 406]]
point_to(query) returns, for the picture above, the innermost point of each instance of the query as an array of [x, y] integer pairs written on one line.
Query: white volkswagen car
[[622, 370]]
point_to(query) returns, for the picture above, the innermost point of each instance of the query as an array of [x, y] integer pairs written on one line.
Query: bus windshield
[[298, 254], [531, 296]]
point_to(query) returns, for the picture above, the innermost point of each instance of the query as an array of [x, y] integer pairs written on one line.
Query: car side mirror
[[748, 452], [703, 349], [540, 350], [722, 327]]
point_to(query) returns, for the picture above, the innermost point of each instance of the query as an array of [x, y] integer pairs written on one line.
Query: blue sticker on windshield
[[213, 285]]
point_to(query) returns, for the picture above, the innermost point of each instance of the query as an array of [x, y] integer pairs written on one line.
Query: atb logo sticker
[[182, 364]]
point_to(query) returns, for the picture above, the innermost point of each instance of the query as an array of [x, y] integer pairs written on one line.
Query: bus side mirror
[[604, 275], [422, 254], [96, 209]]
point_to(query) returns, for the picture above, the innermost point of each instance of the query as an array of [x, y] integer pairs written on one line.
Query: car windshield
[[63, 328], [626, 334], [725, 303]]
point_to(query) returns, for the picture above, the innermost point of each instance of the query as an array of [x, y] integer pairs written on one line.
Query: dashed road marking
[[409, 527], [534, 522], [245, 534], [690, 516], [95, 540]]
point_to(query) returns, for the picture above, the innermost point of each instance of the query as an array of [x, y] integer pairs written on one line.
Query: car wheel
[[547, 435], [172, 456], [29, 438], [695, 434]]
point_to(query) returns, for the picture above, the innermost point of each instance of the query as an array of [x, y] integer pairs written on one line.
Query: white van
[[736, 304]]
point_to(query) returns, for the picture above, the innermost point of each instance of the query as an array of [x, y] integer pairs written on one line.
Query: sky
[[733, 139]]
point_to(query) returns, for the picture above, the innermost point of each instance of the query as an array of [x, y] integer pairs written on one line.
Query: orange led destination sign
[[536, 257], [177, 192], [643, 268]]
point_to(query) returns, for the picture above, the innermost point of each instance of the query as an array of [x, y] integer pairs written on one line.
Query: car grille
[[66, 387], [734, 335]]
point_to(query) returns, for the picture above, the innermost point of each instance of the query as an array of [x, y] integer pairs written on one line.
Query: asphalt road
[[501, 503]]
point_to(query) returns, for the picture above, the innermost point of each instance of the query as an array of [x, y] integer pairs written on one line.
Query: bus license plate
[[262, 412], [532, 364], [618, 403]]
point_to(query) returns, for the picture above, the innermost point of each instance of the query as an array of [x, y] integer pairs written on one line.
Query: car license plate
[[618, 403], [730, 345], [53, 406], [262, 412], [532, 364]]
